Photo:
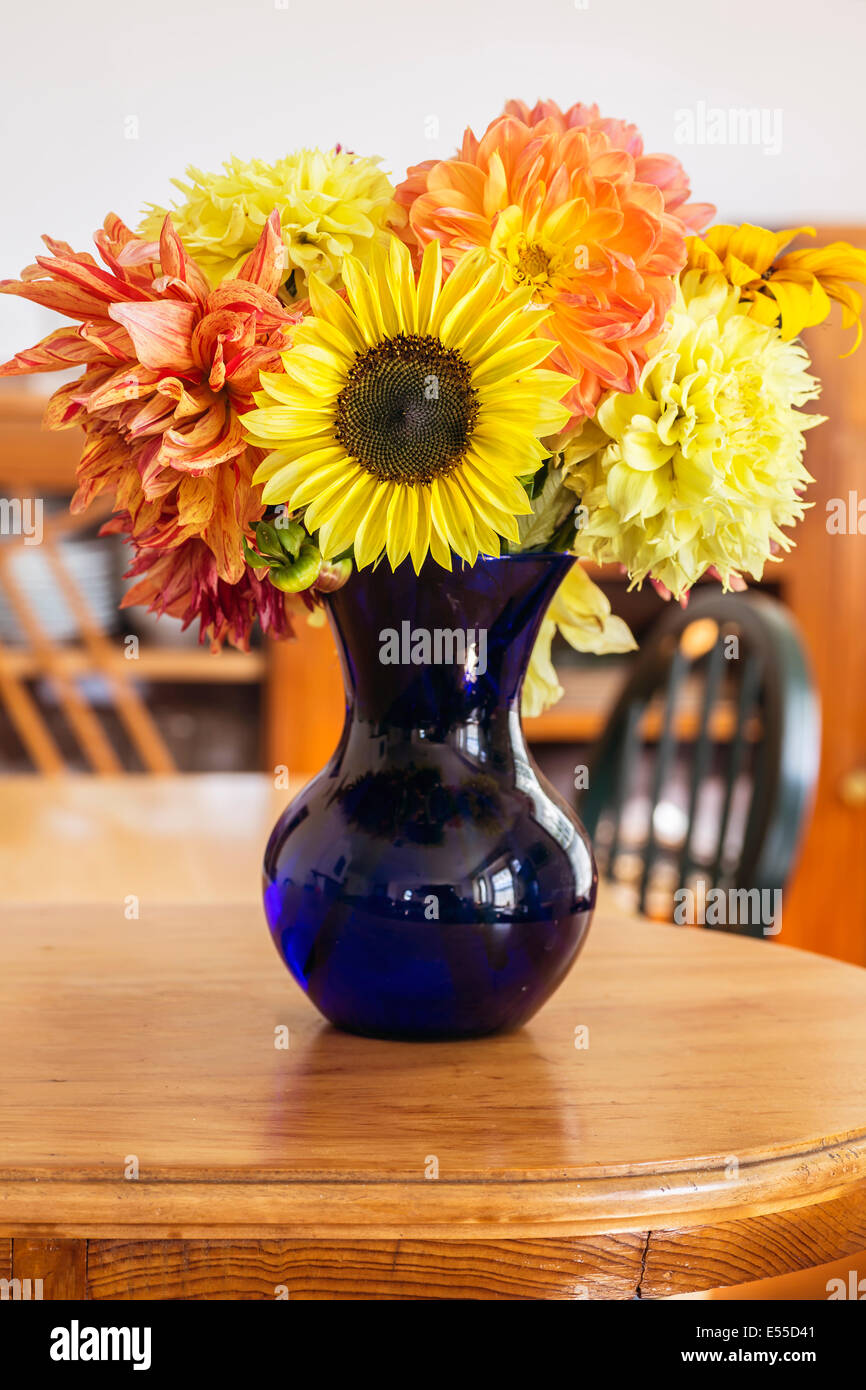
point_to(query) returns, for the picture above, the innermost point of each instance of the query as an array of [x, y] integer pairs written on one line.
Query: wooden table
[[167, 839], [157, 1140]]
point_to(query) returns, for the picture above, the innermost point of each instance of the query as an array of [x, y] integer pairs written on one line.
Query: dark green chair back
[[754, 729]]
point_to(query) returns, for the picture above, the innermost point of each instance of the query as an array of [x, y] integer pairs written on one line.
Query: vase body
[[429, 882]]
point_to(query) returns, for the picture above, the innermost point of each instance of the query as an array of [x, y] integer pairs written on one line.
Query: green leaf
[[252, 557], [291, 536], [563, 538], [268, 541], [550, 511], [532, 481]]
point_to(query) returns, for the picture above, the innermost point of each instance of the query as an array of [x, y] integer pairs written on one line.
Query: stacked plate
[[92, 565]]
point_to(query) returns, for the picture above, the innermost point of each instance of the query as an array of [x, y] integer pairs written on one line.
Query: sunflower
[[405, 417]]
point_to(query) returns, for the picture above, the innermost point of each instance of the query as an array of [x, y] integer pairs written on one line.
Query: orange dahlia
[[169, 365], [566, 212], [664, 170]]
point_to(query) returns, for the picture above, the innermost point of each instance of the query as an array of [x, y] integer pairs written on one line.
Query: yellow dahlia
[[702, 465], [795, 290], [331, 205], [405, 417], [581, 612]]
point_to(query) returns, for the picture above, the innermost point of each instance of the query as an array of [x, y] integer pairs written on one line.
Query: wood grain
[[740, 1252], [60, 1264], [598, 1267], [166, 839], [824, 579], [725, 1079]]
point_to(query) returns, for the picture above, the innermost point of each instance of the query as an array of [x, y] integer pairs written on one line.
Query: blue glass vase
[[429, 882]]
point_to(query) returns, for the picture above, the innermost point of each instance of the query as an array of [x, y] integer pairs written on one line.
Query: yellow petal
[[421, 541], [802, 304], [488, 538], [338, 532], [314, 474], [278, 458], [327, 304], [467, 279], [511, 361], [303, 373], [753, 247], [320, 465], [364, 301], [390, 306], [402, 516], [440, 550], [282, 422], [371, 533], [455, 518], [429, 281], [402, 280], [329, 502], [458, 321]]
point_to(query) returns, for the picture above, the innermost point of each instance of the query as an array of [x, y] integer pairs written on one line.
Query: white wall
[[205, 78]]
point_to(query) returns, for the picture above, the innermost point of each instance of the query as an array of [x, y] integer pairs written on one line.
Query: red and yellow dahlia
[[185, 583], [567, 213], [169, 365]]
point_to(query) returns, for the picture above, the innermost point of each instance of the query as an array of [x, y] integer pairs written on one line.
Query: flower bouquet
[[420, 407]]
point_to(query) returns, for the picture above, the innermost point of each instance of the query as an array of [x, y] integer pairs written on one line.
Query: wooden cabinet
[[824, 583]]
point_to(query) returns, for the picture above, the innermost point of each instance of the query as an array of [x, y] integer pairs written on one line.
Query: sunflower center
[[407, 410]]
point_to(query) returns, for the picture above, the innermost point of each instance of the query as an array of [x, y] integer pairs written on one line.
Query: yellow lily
[[794, 290]]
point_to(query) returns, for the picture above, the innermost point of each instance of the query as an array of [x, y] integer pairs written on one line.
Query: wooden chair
[[720, 700], [40, 465]]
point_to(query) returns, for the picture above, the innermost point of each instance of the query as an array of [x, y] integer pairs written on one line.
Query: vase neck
[[433, 651]]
